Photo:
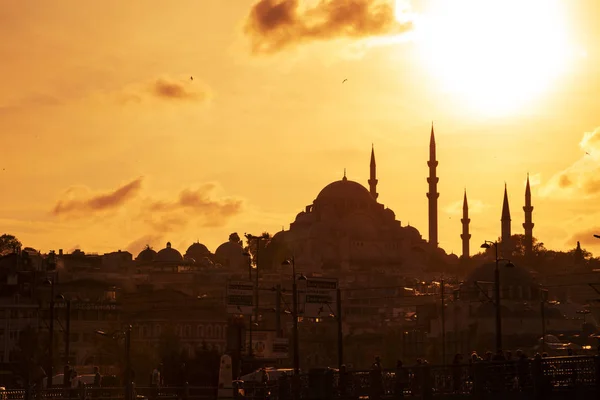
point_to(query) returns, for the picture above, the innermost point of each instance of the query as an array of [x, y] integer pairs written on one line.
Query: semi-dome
[[197, 251], [169, 254], [344, 190], [146, 255], [515, 275]]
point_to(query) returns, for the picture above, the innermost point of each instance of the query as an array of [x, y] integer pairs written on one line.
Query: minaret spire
[[373, 175], [465, 236], [505, 220], [528, 225], [433, 194]]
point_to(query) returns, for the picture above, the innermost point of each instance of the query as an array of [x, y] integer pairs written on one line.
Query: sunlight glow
[[495, 55]]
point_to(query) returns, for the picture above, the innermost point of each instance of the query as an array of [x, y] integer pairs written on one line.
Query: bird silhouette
[[191, 78], [344, 80], [587, 153]]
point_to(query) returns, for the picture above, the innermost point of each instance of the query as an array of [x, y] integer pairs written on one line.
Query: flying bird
[[344, 80], [191, 78], [587, 153]]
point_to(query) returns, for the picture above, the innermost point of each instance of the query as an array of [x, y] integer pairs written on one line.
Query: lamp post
[[486, 245], [543, 299], [250, 348], [126, 334], [250, 237], [67, 327], [296, 342], [50, 366]]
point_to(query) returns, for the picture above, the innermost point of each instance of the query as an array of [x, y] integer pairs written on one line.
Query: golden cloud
[[75, 205], [274, 25], [475, 207], [167, 89], [579, 180]]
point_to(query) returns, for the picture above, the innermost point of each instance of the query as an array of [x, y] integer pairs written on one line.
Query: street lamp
[[486, 245], [291, 261], [50, 366], [250, 237], [127, 335], [67, 327]]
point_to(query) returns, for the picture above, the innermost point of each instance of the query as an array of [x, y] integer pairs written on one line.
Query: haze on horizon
[[109, 144]]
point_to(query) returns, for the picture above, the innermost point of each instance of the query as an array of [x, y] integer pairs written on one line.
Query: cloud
[[581, 179], [534, 180], [196, 202], [167, 89], [456, 208], [274, 25], [586, 237], [89, 204], [140, 244]]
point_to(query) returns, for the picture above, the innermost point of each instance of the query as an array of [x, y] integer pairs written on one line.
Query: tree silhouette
[[9, 244], [252, 247]]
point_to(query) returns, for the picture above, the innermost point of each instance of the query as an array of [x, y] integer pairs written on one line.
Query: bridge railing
[[524, 377]]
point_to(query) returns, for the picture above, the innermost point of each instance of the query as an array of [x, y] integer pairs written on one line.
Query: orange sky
[[109, 145]]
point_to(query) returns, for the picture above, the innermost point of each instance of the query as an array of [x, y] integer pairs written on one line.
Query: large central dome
[[344, 190]]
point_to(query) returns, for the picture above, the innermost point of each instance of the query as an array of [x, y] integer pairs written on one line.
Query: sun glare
[[495, 55]]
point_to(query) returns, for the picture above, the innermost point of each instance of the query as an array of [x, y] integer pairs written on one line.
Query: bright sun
[[496, 55]]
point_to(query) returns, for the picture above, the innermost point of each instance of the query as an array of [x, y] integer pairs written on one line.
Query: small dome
[[411, 231], [344, 190], [169, 255], [197, 251], [146, 255]]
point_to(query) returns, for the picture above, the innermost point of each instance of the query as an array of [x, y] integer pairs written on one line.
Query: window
[[218, 332], [200, 331], [188, 331], [157, 330], [209, 331]]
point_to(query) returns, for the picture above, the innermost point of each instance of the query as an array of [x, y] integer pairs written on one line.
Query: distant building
[[347, 229]]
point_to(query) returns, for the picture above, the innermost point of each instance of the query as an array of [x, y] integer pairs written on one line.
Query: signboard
[[281, 348], [320, 298], [89, 306], [240, 297], [266, 344]]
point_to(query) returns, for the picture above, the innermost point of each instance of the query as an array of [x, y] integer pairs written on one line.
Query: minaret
[[373, 177], [432, 195], [506, 234], [465, 236], [528, 225]]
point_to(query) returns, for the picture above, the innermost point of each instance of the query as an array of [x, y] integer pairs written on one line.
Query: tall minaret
[[505, 224], [466, 236], [373, 177], [528, 225], [432, 195]]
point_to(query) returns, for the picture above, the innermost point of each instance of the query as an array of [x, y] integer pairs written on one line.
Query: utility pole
[[340, 338], [68, 333], [278, 310], [543, 298], [50, 367], [128, 386], [443, 322], [250, 349], [250, 237]]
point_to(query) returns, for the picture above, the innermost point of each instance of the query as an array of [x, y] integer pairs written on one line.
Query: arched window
[[218, 332], [188, 331], [200, 331], [209, 331]]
